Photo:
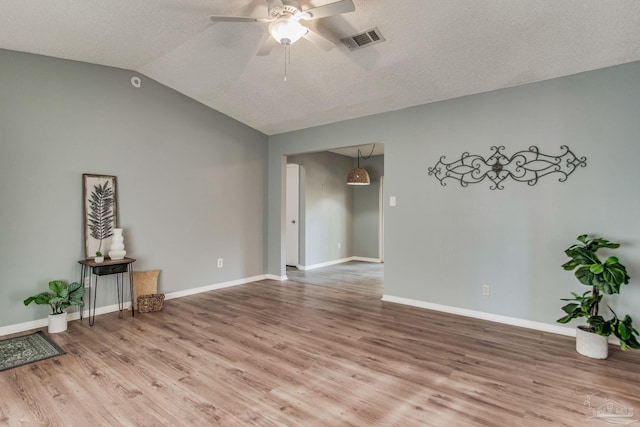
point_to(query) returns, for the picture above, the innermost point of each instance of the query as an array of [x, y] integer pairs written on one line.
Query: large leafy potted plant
[[60, 297], [603, 278]]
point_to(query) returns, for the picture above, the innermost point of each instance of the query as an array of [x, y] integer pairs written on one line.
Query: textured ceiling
[[434, 50]]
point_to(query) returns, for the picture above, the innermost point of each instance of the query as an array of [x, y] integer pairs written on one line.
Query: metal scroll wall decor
[[523, 166]]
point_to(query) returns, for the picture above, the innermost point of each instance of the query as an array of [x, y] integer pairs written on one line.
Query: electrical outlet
[[339, 245], [486, 290], [220, 263]]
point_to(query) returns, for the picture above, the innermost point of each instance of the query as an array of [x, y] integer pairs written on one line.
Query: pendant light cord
[[363, 157]]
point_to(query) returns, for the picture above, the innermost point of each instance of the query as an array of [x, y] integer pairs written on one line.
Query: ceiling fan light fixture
[[287, 30]]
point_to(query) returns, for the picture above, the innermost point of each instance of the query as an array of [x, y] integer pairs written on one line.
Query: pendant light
[[359, 176]]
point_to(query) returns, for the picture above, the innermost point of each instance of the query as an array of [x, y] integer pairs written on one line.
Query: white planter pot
[[99, 259], [591, 345], [57, 323]]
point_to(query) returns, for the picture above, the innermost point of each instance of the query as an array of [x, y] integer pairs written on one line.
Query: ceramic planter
[[57, 323], [591, 344]]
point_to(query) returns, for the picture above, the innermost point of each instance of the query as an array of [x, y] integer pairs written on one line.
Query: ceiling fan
[[284, 16]]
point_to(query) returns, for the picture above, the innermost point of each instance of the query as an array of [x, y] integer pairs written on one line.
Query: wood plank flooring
[[356, 276], [291, 354]]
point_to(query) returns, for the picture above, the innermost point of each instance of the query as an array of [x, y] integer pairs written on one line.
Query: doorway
[[308, 197]]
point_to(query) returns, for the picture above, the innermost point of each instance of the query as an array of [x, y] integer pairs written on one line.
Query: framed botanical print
[[100, 206]]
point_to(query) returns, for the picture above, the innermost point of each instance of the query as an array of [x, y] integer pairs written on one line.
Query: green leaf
[[565, 319], [582, 238], [623, 331], [56, 286], [570, 308], [589, 256], [611, 260], [596, 268], [633, 342], [41, 299], [618, 273], [74, 288], [585, 276], [570, 265]]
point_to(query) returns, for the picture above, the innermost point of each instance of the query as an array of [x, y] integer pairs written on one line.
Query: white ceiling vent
[[364, 39]]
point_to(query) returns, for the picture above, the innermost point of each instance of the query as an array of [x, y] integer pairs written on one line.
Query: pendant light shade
[[358, 176]]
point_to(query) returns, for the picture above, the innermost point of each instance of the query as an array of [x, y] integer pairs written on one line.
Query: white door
[[292, 199]]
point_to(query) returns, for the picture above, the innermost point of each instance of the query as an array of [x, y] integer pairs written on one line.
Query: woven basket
[[150, 303]]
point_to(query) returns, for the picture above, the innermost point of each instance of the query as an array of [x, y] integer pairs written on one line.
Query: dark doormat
[[26, 349]]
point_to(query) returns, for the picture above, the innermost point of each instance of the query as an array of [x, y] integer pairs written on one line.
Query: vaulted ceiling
[[434, 50]]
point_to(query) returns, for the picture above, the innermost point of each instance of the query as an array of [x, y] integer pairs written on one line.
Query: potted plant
[[99, 257], [59, 298], [603, 278]]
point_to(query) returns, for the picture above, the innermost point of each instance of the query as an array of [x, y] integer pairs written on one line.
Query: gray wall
[[443, 243], [366, 210], [191, 186], [326, 207], [190, 179]]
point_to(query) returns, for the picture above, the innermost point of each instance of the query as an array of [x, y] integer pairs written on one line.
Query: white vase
[[117, 245], [57, 323], [591, 344], [99, 259]]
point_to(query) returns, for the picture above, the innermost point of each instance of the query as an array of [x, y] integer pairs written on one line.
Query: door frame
[[292, 179]]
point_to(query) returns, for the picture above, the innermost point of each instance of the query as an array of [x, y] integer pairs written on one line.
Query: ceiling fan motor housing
[[287, 7]]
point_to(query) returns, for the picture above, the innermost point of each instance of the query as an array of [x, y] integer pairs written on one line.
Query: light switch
[[392, 201]]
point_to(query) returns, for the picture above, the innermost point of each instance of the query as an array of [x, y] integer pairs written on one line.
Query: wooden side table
[[92, 269]]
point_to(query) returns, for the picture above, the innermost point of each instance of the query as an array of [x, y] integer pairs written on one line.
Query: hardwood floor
[[284, 353], [356, 276]]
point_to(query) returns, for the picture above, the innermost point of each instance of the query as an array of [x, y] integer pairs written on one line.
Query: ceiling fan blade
[[320, 41], [267, 46], [218, 18], [331, 9]]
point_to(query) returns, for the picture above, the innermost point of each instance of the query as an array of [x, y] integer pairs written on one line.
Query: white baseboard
[[514, 321], [214, 287], [324, 264], [338, 261], [365, 259], [274, 277], [19, 327]]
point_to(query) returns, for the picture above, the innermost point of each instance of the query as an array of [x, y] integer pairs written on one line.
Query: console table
[[119, 267]]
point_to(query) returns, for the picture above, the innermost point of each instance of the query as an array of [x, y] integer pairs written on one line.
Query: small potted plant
[[603, 278], [99, 257], [59, 298]]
